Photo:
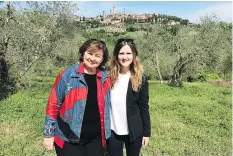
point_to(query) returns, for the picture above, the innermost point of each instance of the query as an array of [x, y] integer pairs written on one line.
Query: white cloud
[[222, 11]]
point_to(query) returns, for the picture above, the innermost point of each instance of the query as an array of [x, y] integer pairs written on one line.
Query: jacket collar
[[100, 72]]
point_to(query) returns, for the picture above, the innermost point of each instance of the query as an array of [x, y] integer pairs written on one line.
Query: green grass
[[134, 35], [194, 120]]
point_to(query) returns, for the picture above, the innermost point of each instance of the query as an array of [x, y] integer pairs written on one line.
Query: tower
[[103, 14], [114, 10]]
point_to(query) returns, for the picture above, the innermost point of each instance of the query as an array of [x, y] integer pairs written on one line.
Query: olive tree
[[30, 34], [155, 47], [198, 48]]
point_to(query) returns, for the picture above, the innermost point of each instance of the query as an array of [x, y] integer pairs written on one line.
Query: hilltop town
[[119, 19]]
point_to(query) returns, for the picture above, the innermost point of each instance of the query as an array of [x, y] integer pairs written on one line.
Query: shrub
[[205, 76]]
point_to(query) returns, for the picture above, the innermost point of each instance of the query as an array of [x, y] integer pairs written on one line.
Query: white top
[[118, 115]]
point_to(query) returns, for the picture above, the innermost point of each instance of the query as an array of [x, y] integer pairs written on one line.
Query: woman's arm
[[55, 100], [144, 107]]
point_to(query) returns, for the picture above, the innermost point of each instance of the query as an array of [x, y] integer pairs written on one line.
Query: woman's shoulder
[[73, 67], [104, 70], [144, 77], [69, 69]]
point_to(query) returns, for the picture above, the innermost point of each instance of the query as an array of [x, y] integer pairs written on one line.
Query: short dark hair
[[94, 44]]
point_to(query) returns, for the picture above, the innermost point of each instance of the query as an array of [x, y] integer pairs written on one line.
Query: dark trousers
[[116, 143], [93, 148]]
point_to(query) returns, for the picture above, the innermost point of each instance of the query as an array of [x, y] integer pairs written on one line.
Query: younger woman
[[130, 119]]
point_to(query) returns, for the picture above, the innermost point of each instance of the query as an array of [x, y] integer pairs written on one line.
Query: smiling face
[[125, 57], [93, 59]]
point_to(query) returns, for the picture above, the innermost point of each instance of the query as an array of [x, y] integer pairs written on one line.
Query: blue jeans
[[116, 143]]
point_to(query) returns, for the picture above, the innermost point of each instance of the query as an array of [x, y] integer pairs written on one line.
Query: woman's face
[[93, 59], [125, 56]]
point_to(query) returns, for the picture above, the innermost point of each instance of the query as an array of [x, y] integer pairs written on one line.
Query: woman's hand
[[145, 141], [48, 143]]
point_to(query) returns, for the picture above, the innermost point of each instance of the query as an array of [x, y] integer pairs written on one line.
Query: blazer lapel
[[129, 94]]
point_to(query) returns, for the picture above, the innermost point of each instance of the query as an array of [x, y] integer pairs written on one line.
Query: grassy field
[[194, 120]]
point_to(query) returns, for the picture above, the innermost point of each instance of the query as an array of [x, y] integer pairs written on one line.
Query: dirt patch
[[221, 82]]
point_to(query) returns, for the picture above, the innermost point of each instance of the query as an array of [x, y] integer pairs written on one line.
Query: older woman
[[77, 118]]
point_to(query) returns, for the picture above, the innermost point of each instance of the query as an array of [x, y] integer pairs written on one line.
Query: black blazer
[[137, 109]]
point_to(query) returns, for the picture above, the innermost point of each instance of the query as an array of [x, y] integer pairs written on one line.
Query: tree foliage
[[44, 35], [29, 35]]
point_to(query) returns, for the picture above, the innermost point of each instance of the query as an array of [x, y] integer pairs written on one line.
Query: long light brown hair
[[136, 68]]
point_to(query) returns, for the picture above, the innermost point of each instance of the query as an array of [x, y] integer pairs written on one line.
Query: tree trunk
[[175, 79], [157, 67], [4, 77]]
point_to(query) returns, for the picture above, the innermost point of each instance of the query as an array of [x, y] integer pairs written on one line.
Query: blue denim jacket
[[67, 102]]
